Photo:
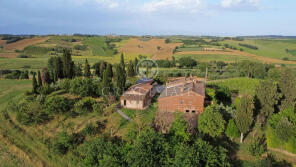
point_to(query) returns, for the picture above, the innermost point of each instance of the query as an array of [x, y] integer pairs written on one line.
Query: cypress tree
[[34, 83], [130, 69], [106, 84], [109, 71], [87, 69], [103, 66], [120, 78], [97, 69], [45, 77], [39, 79], [244, 115], [78, 70], [122, 61], [268, 97], [123, 72], [68, 64], [173, 61], [135, 64]]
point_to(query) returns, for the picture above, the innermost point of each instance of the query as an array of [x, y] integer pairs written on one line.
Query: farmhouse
[[185, 95], [138, 96]]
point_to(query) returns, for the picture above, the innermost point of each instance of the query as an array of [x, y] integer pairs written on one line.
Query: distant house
[[138, 96], [185, 95]]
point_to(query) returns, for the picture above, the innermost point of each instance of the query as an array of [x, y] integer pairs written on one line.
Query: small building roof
[[138, 91]]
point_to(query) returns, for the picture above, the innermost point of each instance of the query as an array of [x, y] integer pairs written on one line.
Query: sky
[[149, 17]]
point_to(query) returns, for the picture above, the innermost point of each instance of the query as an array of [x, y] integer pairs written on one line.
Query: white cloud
[[247, 4], [173, 5]]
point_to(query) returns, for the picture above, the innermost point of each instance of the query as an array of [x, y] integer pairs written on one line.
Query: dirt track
[[237, 53]]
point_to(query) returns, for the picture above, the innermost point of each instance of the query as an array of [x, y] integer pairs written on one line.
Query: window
[[124, 102], [193, 111], [187, 111], [182, 102]]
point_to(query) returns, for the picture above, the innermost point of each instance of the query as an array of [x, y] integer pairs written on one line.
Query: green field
[[98, 46], [292, 52], [207, 58], [12, 89], [190, 49], [271, 48], [242, 85]]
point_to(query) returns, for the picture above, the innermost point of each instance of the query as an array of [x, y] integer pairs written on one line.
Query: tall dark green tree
[[68, 64], [122, 60], [97, 69], [55, 68], [109, 71], [268, 97], [287, 86], [106, 84], [86, 69], [39, 79], [103, 67], [244, 115], [78, 70], [34, 83], [130, 69], [120, 78], [173, 62], [45, 76], [135, 64]]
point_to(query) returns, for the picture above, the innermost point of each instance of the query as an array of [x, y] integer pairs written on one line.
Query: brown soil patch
[[8, 55], [2, 42], [20, 45], [237, 53], [136, 46]]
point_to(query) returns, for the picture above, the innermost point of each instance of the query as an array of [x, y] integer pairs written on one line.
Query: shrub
[[89, 129], [85, 105], [14, 75], [64, 142], [98, 107], [30, 112], [187, 62], [45, 89], [223, 95], [232, 130], [84, 87], [258, 147], [291, 145], [66, 84], [57, 104]]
